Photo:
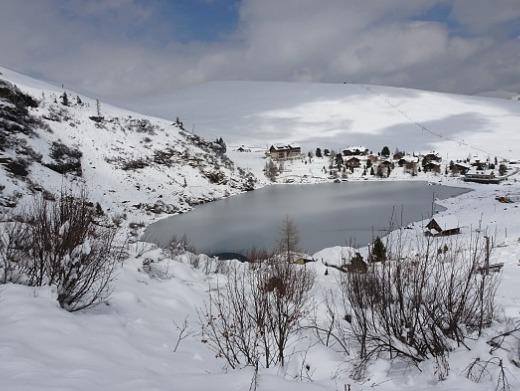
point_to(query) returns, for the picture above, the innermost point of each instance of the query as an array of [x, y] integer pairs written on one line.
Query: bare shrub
[[250, 319], [289, 239], [492, 369], [286, 287], [183, 332], [233, 319], [134, 164], [72, 249], [14, 247], [271, 170], [179, 246], [66, 159], [421, 302], [328, 329]]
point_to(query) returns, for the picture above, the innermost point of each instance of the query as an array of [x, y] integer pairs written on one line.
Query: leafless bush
[[73, 249], [183, 332], [251, 318], [65, 159], [133, 164], [179, 246], [14, 247], [480, 370], [288, 242], [329, 329], [422, 301], [233, 320]]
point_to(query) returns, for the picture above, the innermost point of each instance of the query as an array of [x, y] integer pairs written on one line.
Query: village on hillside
[[288, 163]]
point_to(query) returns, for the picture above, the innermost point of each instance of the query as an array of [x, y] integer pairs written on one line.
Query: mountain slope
[[337, 115], [129, 163], [148, 336]]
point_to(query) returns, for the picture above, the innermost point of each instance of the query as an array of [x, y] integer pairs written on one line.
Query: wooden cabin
[[283, 152], [407, 159], [443, 226], [352, 162], [460, 168], [353, 264], [355, 151]]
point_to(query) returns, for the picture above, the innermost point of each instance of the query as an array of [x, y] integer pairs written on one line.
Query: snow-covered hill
[[337, 115], [147, 335], [131, 164]]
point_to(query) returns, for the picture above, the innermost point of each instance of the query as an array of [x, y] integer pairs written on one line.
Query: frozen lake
[[331, 214]]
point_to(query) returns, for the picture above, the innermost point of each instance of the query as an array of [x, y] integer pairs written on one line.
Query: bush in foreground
[[250, 319], [422, 302], [63, 243]]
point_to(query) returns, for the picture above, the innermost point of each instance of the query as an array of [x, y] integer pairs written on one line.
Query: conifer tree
[[378, 252]]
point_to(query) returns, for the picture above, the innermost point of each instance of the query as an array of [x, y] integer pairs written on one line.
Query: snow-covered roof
[[463, 165], [285, 146], [447, 221], [356, 148], [409, 158]]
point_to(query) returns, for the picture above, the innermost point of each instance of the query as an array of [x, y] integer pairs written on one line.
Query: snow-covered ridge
[[336, 115], [131, 164]]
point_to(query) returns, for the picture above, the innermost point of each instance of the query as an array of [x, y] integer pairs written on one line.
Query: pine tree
[[378, 251], [385, 151], [339, 161], [318, 152]]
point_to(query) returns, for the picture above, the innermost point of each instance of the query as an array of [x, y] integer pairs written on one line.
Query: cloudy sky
[[123, 49]]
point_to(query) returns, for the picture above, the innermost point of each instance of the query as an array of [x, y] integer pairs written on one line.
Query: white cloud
[[89, 45]]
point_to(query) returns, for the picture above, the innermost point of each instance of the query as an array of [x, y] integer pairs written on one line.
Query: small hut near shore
[[443, 226]]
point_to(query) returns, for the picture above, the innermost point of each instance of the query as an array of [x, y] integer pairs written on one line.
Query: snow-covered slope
[[337, 115], [130, 163], [129, 343]]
